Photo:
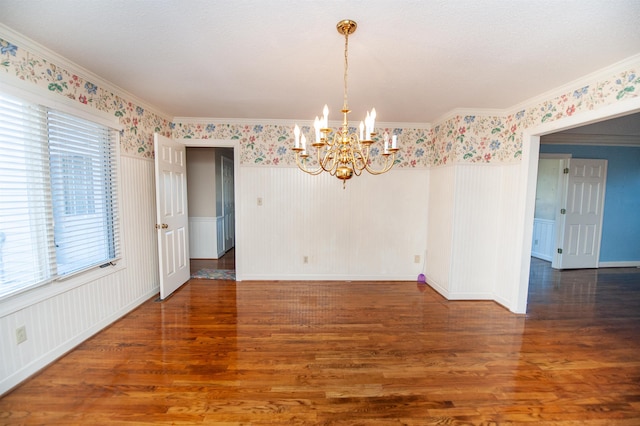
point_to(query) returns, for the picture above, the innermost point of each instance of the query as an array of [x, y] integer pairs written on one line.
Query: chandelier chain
[[346, 67]]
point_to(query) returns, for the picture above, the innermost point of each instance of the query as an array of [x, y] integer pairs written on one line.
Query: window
[[58, 209]]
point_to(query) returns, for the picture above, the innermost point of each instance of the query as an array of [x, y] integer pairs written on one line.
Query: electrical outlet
[[21, 334], [259, 201], [305, 259], [416, 258]]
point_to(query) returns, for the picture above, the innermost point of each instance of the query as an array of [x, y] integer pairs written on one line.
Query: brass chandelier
[[346, 154]]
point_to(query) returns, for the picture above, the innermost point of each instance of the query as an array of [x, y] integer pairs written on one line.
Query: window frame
[[63, 283]]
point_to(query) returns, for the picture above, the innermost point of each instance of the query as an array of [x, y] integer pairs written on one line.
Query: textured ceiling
[[283, 59]]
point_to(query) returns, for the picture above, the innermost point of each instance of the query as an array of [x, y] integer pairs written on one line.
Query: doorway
[[568, 219], [531, 152], [212, 184]]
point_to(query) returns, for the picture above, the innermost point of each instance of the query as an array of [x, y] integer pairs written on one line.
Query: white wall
[[472, 224], [57, 323], [373, 229], [441, 192], [201, 182]]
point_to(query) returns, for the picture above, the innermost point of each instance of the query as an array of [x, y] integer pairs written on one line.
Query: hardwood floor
[[227, 261], [355, 353]]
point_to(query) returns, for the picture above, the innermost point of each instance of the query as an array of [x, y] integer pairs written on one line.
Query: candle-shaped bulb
[[367, 121], [325, 116], [304, 144], [317, 125], [394, 141], [373, 119], [296, 136]]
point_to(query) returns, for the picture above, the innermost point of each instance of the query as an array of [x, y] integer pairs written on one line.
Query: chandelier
[[346, 153]]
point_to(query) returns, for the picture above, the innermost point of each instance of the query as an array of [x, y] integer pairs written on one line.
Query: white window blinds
[[58, 209], [83, 190]]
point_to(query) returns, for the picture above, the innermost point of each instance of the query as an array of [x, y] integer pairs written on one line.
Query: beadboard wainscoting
[[470, 238], [297, 226], [206, 237], [544, 239], [59, 316]]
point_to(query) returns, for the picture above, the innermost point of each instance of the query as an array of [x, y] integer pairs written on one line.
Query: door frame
[[224, 186], [560, 262], [529, 175], [559, 201], [235, 144]]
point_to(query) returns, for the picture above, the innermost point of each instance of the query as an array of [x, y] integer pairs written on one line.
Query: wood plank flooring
[[227, 261], [355, 353]]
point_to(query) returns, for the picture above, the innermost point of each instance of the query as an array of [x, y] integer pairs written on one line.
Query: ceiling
[[413, 60]]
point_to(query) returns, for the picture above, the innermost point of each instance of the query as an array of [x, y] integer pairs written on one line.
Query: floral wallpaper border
[[495, 139], [459, 139], [270, 144], [138, 124]]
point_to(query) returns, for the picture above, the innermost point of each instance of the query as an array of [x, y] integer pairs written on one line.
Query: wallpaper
[[138, 123], [270, 144], [458, 139]]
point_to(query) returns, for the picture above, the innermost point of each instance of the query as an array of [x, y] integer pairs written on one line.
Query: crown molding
[[32, 46], [483, 112], [590, 139], [586, 80], [289, 123]]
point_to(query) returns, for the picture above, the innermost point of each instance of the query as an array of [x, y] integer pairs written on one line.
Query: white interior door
[[228, 204], [172, 215], [581, 218]]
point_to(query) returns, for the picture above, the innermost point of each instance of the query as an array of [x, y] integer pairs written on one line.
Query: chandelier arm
[[362, 156], [328, 162], [388, 164], [304, 168], [358, 162]]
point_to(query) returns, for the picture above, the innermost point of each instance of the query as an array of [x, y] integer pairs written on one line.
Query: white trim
[[552, 156], [591, 139], [586, 80], [529, 171], [473, 296], [210, 143], [607, 112], [34, 94], [136, 157], [621, 264], [477, 112], [433, 283], [59, 284], [324, 277], [235, 144], [38, 49], [45, 359], [21, 300], [545, 224], [291, 123]]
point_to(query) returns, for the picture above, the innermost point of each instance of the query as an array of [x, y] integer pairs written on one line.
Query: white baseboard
[[32, 368], [623, 264], [542, 256]]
